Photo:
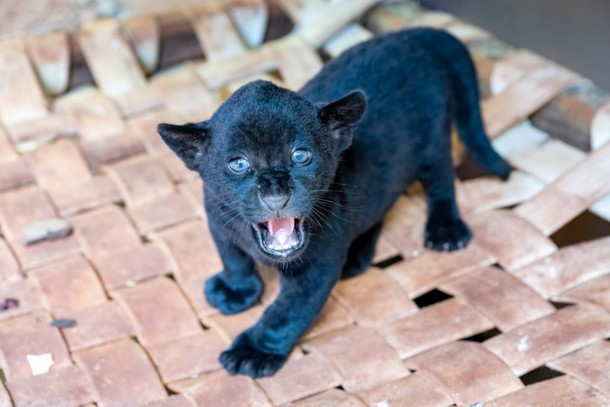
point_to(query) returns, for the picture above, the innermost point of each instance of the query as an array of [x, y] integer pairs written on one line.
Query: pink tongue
[[275, 225]]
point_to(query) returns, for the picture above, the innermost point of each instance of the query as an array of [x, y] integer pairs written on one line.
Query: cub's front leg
[[238, 286], [262, 349]]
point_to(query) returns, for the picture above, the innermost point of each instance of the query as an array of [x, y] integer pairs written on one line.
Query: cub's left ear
[[187, 141], [342, 116]]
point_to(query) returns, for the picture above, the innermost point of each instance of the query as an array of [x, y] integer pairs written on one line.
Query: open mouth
[[281, 236]]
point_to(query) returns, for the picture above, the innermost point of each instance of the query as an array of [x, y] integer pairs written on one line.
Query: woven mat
[[513, 320]]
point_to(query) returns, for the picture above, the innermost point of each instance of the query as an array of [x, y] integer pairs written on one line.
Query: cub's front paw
[[243, 358], [231, 299], [448, 235]]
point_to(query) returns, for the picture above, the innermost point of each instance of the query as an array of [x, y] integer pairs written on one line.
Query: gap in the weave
[[324, 56], [178, 43], [560, 305], [388, 262], [584, 227], [483, 336], [539, 374], [80, 74], [279, 24], [431, 297]]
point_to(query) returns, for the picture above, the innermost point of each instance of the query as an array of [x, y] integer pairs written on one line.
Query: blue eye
[[239, 165], [301, 156]]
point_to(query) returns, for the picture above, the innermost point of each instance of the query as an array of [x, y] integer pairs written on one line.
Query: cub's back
[[413, 61], [407, 80]]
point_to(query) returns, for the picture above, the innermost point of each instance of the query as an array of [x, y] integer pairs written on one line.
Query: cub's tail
[[467, 112]]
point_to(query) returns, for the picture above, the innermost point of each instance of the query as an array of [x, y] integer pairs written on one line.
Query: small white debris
[[552, 272], [477, 404], [40, 364], [415, 253], [46, 230], [383, 403], [524, 344], [28, 146]]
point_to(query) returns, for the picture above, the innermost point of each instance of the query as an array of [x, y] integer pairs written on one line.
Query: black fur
[[373, 120]]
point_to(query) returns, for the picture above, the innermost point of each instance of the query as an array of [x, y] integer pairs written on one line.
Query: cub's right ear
[[187, 141]]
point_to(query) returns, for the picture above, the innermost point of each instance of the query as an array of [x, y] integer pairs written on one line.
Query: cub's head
[[269, 156]]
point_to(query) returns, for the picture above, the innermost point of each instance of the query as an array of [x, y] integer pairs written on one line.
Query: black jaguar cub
[[302, 180]]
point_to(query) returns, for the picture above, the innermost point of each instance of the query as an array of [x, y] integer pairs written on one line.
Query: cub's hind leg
[[445, 229], [361, 252]]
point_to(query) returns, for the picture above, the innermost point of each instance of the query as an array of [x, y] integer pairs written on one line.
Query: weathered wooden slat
[[220, 73], [514, 67], [518, 101], [316, 27], [21, 97], [486, 193], [96, 116], [552, 159], [297, 62], [50, 54], [138, 101], [435, 19], [536, 153], [216, 33], [423, 273], [509, 238], [144, 34], [52, 177], [112, 62], [184, 92], [299, 9], [569, 116], [251, 20], [31, 134], [7, 152], [404, 225], [393, 16], [567, 268], [571, 194], [346, 38]]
